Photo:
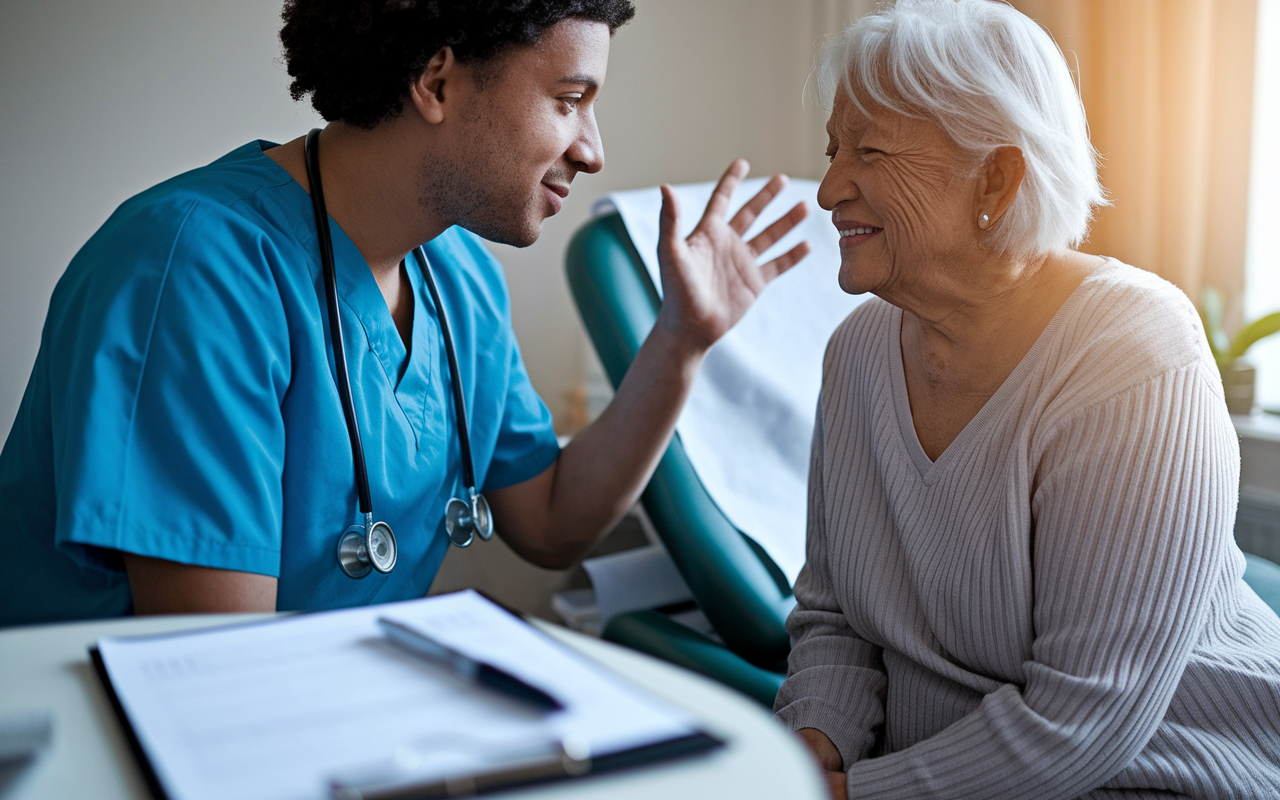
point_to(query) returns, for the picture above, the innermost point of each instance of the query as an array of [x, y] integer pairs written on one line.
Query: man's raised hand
[[711, 278]]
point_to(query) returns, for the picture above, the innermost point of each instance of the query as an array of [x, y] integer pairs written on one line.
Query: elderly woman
[[1021, 577]]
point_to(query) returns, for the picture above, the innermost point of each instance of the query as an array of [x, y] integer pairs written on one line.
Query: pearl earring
[[984, 221]]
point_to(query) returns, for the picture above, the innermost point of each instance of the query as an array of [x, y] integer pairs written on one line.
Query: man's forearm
[[601, 473]]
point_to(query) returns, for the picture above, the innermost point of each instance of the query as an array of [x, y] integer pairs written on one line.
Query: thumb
[[668, 218]]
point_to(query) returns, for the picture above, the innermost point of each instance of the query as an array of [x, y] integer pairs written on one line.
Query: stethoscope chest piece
[[464, 520], [382, 547], [363, 548]]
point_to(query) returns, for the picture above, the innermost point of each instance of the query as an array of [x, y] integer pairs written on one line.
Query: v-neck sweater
[[1054, 607]]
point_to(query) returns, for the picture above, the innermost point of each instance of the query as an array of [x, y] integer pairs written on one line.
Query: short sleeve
[[175, 359]]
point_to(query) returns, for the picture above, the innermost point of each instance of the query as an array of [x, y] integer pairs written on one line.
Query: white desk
[[47, 667]]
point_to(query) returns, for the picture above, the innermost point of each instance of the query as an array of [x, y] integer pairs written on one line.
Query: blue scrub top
[[183, 403]]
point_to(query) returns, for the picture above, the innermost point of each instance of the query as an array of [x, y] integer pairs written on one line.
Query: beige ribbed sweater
[[1054, 607]]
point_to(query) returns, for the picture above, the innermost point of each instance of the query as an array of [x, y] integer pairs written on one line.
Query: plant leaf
[[1258, 329], [1213, 348], [1211, 318]]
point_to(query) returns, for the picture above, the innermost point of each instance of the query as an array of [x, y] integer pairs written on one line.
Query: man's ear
[[437, 82], [998, 182]]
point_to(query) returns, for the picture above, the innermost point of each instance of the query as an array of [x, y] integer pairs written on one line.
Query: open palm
[[711, 278]]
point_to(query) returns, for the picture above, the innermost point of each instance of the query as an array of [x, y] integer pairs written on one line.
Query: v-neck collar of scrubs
[[408, 372], [358, 290]]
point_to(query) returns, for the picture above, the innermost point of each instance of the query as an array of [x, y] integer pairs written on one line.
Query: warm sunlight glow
[[1262, 259]]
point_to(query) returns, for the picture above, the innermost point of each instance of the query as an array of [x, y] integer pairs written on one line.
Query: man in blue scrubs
[[181, 446]]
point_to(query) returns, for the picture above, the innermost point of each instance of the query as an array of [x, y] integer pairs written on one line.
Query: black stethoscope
[[373, 545]]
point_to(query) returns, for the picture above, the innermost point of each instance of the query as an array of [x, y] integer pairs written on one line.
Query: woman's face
[[902, 200]]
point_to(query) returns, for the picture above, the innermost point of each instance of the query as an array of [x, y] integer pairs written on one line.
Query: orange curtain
[[1168, 89]]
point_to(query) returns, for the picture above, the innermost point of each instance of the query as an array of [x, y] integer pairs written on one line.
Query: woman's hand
[[837, 786], [710, 279], [828, 758], [823, 750]]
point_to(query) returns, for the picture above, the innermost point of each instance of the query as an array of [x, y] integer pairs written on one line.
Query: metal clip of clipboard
[[566, 758]]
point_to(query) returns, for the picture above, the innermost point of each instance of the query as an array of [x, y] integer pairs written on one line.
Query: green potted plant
[[1238, 375]]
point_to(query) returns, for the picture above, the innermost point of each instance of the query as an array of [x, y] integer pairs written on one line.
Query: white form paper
[[276, 709], [748, 422]]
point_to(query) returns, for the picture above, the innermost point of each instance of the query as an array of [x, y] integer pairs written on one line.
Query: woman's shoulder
[[1125, 326], [1115, 282], [1121, 303]]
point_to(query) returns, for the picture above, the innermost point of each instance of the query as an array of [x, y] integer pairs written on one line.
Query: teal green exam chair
[[1263, 577], [738, 587]]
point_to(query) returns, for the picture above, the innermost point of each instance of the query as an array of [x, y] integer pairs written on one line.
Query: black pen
[[466, 667]]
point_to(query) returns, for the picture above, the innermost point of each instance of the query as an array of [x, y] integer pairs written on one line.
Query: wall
[[100, 101]]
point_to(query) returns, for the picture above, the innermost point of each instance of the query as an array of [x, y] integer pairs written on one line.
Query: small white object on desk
[[23, 734]]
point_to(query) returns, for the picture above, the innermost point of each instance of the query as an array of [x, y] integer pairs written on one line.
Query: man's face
[[524, 134]]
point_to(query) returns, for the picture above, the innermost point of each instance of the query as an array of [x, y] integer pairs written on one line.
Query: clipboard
[[661, 734]]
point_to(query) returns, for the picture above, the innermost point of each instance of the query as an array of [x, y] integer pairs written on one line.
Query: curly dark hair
[[358, 58]]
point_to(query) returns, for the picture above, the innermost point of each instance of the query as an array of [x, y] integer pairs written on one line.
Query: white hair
[[989, 77]]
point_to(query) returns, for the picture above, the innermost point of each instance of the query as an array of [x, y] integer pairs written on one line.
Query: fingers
[[748, 213], [784, 262], [779, 228], [718, 205]]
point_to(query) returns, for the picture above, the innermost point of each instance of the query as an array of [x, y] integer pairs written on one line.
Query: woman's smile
[[853, 234]]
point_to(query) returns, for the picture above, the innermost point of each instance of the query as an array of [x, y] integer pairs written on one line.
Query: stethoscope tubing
[[459, 402], [312, 148]]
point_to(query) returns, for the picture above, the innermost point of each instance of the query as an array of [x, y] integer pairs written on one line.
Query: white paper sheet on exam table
[[632, 580], [748, 422], [276, 709]]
